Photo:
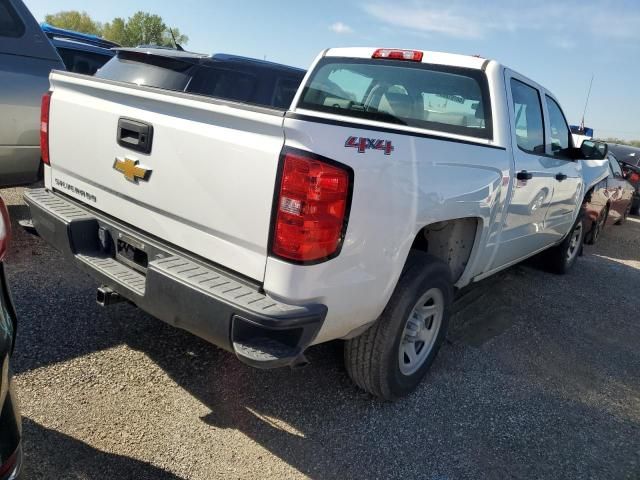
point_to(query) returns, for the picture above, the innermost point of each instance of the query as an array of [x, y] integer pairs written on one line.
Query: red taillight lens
[[9, 464], [311, 208], [44, 127], [5, 229], [634, 177], [391, 54]]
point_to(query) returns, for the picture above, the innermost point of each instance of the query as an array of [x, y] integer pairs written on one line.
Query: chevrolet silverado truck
[[394, 179]]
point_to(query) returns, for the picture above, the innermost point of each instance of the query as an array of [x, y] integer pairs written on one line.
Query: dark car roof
[[61, 33], [85, 47], [625, 153], [210, 60]]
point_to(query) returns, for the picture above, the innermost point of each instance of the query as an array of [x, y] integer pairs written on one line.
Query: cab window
[[528, 117], [434, 97], [10, 23], [560, 133]]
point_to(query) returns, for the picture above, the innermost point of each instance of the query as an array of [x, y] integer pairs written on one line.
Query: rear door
[[524, 230]]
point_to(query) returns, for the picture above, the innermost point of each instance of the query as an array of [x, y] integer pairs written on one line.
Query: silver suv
[[26, 58]]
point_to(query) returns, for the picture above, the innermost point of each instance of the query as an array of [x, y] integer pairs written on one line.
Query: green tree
[[74, 20], [142, 28], [633, 143], [116, 31]]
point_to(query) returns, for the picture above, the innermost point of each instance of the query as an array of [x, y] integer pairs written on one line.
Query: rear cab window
[[10, 23], [434, 97]]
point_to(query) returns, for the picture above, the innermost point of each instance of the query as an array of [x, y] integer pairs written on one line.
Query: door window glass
[[10, 23], [79, 61], [560, 133], [528, 117]]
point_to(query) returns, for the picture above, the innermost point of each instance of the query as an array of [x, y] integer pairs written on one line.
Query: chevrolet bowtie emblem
[[132, 170]]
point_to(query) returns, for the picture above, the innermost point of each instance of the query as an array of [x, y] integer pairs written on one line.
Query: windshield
[[447, 99]]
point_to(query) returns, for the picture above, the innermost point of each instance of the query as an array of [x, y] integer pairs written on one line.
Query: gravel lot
[[540, 378]]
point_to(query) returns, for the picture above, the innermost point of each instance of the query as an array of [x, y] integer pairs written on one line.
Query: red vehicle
[[629, 159], [609, 202]]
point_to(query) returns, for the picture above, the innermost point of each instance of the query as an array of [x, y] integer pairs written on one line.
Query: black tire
[[635, 206], [591, 237], [626, 213], [557, 259], [373, 358]]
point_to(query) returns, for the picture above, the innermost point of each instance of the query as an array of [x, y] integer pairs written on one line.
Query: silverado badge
[[132, 170]]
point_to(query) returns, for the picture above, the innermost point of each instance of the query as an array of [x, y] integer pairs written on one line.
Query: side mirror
[[592, 150]]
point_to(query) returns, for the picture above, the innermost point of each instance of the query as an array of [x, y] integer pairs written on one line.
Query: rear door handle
[[524, 175], [135, 135], [561, 176]]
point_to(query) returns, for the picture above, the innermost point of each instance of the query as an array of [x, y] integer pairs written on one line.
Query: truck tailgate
[[206, 185]]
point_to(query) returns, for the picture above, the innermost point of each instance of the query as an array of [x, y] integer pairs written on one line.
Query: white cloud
[[563, 43], [426, 20], [469, 19], [340, 28]]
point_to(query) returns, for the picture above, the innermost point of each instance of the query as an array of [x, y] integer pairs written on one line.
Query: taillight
[[311, 209], [634, 177], [10, 464], [5, 229], [392, 54], [44, 127]]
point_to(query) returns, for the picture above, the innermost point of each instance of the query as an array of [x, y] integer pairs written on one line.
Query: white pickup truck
[[396, 178]]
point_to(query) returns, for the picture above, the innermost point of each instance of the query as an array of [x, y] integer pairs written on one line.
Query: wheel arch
[[452, 241]]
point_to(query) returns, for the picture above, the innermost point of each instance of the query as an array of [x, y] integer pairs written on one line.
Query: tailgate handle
[[135, 135]]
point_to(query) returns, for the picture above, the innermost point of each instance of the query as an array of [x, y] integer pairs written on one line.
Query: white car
[[395, 178]]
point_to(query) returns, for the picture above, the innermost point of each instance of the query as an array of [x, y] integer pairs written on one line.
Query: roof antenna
[[178, 46], [586, 103]]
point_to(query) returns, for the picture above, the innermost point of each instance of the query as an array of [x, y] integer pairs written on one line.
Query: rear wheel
[[561, 258], [390, 359], [635, 206], [591, 237], [624, 215]]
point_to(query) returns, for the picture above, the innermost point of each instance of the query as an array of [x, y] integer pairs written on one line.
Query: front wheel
[[561, 258], [591, 237], [390, 359]]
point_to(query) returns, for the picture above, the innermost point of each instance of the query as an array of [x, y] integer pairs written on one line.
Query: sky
[[559, 44]]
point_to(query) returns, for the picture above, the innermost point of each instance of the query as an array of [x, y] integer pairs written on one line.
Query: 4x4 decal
[[363, 144]]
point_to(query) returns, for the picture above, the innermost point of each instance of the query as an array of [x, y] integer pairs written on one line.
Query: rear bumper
[[178, 288]]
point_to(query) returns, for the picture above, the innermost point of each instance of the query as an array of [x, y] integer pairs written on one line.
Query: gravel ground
[[540, 378]]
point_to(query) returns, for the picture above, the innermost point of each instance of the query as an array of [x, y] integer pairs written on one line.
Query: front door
[[567, 184], [524, 228]]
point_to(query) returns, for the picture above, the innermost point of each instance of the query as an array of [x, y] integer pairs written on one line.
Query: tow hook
[[106, 296]]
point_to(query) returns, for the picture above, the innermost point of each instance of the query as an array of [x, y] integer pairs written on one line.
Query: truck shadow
[[509, 394], [491, 394], [50, 454]]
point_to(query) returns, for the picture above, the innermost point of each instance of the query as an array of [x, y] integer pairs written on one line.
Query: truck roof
[[438, 58], [206, 59]]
